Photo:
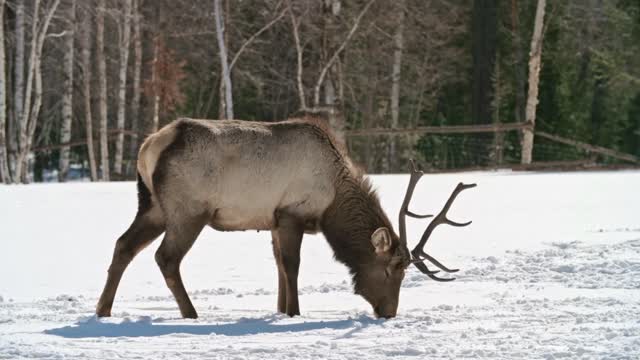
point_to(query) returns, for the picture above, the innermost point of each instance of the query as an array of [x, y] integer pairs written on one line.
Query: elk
[[290, 177]]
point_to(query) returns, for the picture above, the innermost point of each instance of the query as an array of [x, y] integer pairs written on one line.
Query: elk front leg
[[282, 285], [287, 238]]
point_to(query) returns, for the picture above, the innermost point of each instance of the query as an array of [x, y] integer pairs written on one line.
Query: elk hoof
[[190, 315], [103, 313]]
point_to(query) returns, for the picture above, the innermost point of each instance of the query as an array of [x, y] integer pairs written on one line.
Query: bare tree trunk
[[125, 41], [335, 117], [296, 37], [137, 73], [226, 76], [325, 69], [520, 70], [67, 97], [86, 85], [484, 32], [222, 107], [102, 90], [398, 44], [26, 106], [221, 88], [154, 80], [34, 84], [498, 137], [4, 168], [534, 77], [332, 12], [19, 91], [253, 37]]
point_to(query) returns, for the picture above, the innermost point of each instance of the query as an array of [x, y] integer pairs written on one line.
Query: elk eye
[[387, 272]]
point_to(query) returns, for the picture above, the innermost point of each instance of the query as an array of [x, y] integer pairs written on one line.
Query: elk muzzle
[[386, 310]]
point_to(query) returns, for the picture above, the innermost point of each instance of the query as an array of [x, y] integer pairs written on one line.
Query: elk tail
[[144, 196]]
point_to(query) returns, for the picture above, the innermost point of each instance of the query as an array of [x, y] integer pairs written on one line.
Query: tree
[[67, 97], [534, 77], [19, 90], [102, 90], [334, 57], [164, 85], [483, 41], [336, 120], [296, 36], [519, 61], [33, 92], [5, 177], [125, 42], [222, 50], [398, 48], [379, 65], [137, 75], [85, 44]]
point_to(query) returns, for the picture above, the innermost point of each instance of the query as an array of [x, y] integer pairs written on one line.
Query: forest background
[[83, 82]]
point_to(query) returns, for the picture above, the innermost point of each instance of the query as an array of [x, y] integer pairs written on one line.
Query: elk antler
[[418, 254]]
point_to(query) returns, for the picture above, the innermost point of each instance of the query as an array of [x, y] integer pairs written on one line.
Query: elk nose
[[381, 313]]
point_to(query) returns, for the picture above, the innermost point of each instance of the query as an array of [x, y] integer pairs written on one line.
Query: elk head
[[380, 284], [379, 280]]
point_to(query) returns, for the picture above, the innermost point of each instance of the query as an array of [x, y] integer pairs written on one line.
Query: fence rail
[[590, 148], [445, 129], [493, 128]]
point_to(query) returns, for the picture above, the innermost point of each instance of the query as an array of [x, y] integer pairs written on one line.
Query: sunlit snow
[[550, 268]]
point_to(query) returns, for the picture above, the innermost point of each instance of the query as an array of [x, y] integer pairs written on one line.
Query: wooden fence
[[500, 128], [587, 162]]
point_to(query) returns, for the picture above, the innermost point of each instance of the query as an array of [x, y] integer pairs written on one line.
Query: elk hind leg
[[146, 227], [178, 239]]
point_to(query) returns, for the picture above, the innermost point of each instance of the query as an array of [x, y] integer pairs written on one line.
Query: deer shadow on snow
[[145, 327]]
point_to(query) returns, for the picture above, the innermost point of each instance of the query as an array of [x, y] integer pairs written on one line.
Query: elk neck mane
[[349, 221]]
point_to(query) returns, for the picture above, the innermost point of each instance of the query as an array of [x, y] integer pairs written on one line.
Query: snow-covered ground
[[550, 269]]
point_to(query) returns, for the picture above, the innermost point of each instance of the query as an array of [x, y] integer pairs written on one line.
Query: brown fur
[[288, 177]]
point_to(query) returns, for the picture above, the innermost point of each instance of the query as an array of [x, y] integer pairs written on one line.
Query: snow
[[550, 268]]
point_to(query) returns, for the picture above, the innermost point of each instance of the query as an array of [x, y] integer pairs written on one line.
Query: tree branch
[[323, 73], [254, 36]]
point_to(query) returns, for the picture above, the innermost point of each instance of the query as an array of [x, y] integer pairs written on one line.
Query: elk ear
[[381, 240]]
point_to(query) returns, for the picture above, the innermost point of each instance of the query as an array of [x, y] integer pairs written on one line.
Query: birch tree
[[332, 13], [4, 168], [33, 92], [155, 79], [137, 75], [398, 48], [125, 41], [222, 50], [85, 44], [534, 78], [67, 97], [336, 120], [519, 56], [334, 57], [18, 90], [295, 26], [102, 90]]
